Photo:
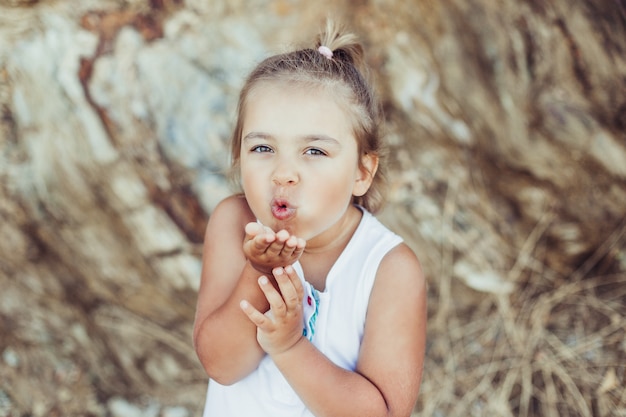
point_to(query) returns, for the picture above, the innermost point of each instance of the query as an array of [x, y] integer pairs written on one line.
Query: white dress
[[333, 320]]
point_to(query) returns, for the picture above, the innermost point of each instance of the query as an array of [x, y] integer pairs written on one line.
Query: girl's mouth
[[282, 210]]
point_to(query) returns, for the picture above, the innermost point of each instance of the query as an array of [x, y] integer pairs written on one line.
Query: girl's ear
[[365, 175]]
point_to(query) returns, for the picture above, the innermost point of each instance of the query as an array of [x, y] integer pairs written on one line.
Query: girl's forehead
[[295, 111], [305, 96], [333, 93]]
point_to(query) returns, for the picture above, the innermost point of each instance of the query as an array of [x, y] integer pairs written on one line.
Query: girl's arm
[[388, 374], [224, 339]]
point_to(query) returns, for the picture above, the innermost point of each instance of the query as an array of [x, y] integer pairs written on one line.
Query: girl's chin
[[277, 225], [291, 228]]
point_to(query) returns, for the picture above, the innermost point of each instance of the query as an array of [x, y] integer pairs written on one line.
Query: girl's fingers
[[300, 245], [289, 247], [273, 250], [277, 304], [292, 247], [253, 314], [262, 242], [258, 234], [280, 247], [288, 282], [295, 281], [252, 229], [278, 243]]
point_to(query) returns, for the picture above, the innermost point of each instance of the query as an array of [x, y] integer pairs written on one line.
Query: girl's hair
[[344, 74]]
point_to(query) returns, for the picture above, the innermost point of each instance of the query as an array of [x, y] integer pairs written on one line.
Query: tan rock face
[[507, 132]]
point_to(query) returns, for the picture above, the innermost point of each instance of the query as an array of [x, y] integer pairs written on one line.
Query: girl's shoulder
[[232, 211], [402, 263], [234, 206], [402, 254]]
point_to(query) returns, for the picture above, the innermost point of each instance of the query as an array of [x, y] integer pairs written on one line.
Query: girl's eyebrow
[[307, 138], [322, 138], [256, 135]]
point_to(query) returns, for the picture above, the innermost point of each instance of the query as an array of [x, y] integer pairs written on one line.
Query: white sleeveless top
[[334, 321]]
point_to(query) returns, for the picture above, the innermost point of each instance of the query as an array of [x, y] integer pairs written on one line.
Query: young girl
[[308, 305]]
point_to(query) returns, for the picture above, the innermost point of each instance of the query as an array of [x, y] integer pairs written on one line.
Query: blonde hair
[[346, 75]]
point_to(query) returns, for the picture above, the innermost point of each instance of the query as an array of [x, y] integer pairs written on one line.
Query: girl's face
[[299, 160]]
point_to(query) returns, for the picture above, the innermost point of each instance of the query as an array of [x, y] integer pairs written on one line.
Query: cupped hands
[[266, 249]]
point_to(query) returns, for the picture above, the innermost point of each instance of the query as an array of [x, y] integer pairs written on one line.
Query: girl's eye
[[261, 149], [315, 152]]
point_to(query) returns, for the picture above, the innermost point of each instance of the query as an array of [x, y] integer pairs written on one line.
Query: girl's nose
[[285, 174]]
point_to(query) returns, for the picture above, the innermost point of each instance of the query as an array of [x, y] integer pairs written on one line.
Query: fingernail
[[263, 280], [288, 269], [278, 271], [243, 304]]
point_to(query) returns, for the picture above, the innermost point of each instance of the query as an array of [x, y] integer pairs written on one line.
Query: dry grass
[[554, 347]]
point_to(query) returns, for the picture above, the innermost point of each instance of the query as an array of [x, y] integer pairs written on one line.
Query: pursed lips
[[282, 209]]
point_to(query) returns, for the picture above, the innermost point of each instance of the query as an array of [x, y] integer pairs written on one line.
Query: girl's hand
[[281, 327], [267, 250]]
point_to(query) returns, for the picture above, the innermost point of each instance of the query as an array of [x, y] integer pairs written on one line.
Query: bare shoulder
[[232, 209], [402, 263], [400, 280], [228, 218]]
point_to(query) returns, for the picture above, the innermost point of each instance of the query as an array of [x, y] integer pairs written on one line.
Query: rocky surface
[[507, 126]]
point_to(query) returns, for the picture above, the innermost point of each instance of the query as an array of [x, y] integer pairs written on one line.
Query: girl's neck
[[338, 236], [317, 261]]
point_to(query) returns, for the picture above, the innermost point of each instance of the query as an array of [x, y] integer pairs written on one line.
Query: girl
[[308, 306]]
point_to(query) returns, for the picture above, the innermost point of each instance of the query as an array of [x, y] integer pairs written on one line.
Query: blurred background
[[507, 129]]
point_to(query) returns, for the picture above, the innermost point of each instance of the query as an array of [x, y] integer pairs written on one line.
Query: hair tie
[[325, 50]]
